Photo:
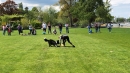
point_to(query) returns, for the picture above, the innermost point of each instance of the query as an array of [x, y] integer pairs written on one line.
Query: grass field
[[94, 53]]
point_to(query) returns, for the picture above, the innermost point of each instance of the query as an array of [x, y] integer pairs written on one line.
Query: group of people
[[60, 26], [7, 28], [62, 38], [98, 26], [32, 30]]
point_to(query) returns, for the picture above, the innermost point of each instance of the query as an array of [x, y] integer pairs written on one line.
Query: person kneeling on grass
[[63, 38], [54, 31], [9, 31], [33, 31]]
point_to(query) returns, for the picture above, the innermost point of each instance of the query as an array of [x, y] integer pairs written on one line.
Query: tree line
[[73, 12]]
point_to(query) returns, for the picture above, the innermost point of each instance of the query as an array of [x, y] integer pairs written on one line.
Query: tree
[[120, 19], [26, 10], [5, 19], [99, 19], [21, 8], [40, 14], [24, 22], [34, 9], [26, 13], [92, 10], [35, 13], [50, 15], [128, 19], [65, 9], [89, 8], [107, 10], [9, 7]]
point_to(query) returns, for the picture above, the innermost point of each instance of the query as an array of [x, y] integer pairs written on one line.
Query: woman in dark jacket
[[60, 28], [20, 29]]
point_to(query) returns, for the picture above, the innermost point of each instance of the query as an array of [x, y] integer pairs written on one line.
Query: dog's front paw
[[73, 46]]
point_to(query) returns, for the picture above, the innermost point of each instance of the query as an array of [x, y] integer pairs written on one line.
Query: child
[[54, 31], [33, 31], [90, 31], [9, 31]]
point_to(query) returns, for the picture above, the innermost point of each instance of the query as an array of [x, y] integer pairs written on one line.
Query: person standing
[[4, 29], [96, 27], [33, 31], [89, 29], [30, 28], [54, 31], [99, 26], [49, 28], [9, 31], [67, 28], [19, 29], [119, 24], [44, 28], [109, 26], [60, 28]]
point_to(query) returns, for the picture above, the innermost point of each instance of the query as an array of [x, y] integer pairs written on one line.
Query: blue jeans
[[109, 29], [4, 31], [67, 30], [89, 30], [60, 30]]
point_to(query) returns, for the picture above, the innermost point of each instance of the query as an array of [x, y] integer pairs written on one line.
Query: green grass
[[94, 53]]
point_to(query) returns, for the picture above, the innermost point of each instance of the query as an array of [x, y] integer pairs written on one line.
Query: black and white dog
[[52, 42]]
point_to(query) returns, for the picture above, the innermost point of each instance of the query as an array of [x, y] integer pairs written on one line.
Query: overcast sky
[[120, 8]]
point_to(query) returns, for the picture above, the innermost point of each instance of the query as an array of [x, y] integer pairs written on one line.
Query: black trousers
[[66, 38], [49, 30], [44, 29]]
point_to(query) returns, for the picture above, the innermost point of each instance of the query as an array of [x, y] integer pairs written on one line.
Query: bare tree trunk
[[70, 16]]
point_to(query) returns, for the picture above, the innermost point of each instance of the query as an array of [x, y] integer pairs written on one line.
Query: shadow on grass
[[61, 46], [67, 46]]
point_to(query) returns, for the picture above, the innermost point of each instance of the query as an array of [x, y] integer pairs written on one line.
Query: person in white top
[[30, 28], [44, 28], [109, 26], [67, 28]]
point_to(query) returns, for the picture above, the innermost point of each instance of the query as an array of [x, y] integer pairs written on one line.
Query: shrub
[[37, 24], [83, 23]]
